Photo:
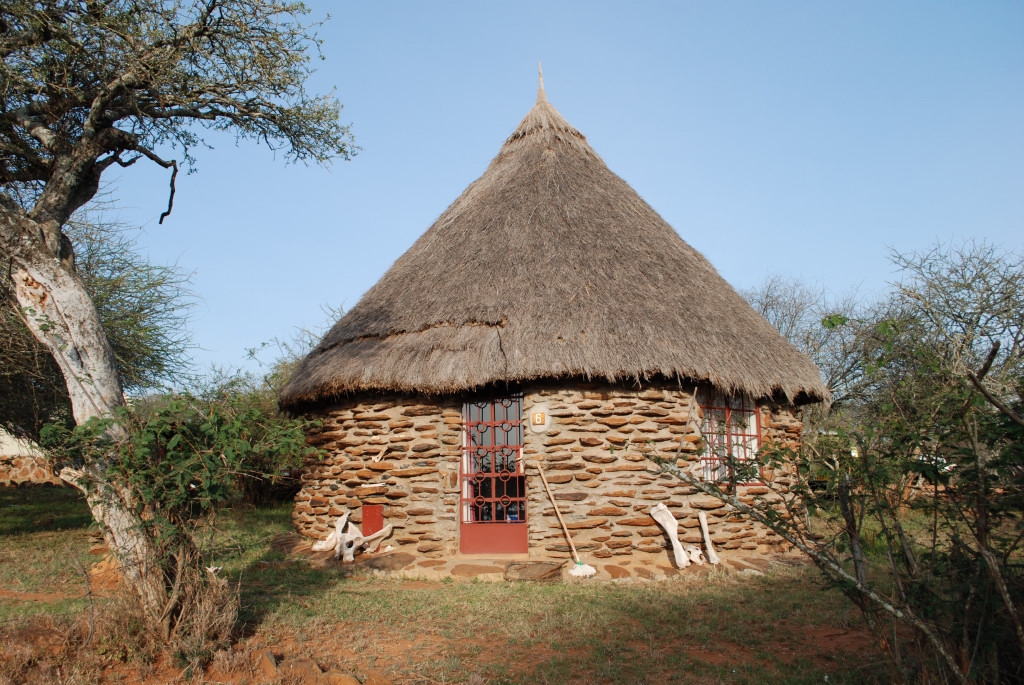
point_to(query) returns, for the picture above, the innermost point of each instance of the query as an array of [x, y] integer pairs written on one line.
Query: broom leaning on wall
[[580, 570]]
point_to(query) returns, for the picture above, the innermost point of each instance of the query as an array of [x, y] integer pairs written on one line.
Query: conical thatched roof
[[548, 266]]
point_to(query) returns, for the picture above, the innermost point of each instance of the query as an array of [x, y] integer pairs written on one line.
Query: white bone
[[696, 556], [339, 537], [354, 541], [667, 521], [325, 544], [347, 539], [378, 537], [712, 557], [331, 542], [348, 543]]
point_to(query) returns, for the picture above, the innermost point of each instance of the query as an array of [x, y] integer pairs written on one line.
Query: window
[[732, 435], [493, 484]]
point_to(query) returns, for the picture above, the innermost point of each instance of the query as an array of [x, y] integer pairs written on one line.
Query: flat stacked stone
[[399, 454], [404, 454], [24, 470]]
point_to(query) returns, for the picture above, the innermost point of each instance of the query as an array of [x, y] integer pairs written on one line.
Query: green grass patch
[[44, 548], [42, 508]]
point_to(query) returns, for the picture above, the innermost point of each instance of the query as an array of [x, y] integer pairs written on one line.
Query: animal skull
[[331, 542], [696, 556], [354, 541], [347, 540]]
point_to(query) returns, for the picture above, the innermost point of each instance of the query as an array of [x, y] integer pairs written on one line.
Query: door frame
[[493, 516]]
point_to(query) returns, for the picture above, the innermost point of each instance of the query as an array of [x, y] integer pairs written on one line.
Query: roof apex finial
[[541, 96]]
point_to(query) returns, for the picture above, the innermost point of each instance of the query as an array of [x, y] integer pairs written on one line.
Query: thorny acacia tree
[[925, 469], [797, 311], [144, 311], [90, 84]]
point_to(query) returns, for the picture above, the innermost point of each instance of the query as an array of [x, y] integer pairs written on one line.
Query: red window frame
[[493, 483], [731, 428]]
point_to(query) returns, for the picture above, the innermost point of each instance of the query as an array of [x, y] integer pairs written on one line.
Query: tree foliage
[[274, 475], [176, 458], [181, 454], [93, 84], [89, 85], [144, 306], [917, 509], [814, 321]]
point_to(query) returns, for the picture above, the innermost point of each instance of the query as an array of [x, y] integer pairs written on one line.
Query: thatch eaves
[[550, 266]]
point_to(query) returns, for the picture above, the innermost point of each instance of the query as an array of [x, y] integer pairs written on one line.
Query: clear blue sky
[[803, 138]]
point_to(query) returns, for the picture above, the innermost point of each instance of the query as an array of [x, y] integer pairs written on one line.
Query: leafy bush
[[173, 459]]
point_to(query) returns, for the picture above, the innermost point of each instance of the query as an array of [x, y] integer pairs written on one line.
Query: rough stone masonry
[[404, 452]]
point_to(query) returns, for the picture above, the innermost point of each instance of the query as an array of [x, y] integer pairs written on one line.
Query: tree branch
[[24, 118], [824, 562], [173, 164], [988, 361], [977, 378]]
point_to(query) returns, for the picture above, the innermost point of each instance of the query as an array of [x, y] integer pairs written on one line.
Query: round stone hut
[[548, 319]]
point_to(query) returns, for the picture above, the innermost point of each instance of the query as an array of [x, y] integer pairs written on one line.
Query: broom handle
[[557, 513]]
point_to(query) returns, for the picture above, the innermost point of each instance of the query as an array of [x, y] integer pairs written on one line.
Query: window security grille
[[493, 484], [732, 435]]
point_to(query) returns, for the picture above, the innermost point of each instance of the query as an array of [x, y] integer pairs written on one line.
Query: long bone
[[667, 521], [712, 557]]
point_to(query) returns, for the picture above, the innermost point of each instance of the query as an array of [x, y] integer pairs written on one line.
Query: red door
[[493, 493]]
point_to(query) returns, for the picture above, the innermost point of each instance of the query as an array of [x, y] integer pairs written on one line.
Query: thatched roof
[[550, 266]]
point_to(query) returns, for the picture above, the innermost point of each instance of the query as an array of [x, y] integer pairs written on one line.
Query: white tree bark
[[123, 535], [58, 311]]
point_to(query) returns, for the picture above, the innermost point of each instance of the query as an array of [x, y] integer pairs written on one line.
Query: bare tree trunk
[[122, 530], [58, 311], [852, 532]]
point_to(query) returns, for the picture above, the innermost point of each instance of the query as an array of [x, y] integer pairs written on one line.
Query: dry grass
[[781, 627], [549, 266]]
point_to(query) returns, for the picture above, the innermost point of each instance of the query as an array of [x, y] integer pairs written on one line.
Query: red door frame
[[492, 493]]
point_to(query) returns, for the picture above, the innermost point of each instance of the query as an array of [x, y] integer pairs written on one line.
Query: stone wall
[[403, 453], [398, 452], [595, 456], [21, 462], [27, 470]]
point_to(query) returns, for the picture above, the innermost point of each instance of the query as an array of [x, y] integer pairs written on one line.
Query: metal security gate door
[[493, 493]]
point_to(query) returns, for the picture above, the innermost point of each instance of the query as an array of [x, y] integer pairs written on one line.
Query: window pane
[[731, 436]]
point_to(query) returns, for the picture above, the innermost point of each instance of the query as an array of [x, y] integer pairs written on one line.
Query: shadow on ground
[[42, 508]]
